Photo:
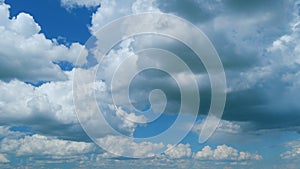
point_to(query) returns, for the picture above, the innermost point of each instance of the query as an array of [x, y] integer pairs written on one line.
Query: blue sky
[[40, 41], [57, 22]]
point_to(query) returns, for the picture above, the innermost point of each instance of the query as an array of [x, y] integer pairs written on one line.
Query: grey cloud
[[242, 32], [192, 10]]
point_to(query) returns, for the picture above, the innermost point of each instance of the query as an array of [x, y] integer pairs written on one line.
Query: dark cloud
[[242, 32], [191, 10]]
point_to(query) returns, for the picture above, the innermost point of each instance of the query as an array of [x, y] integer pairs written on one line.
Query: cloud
[[5, 132], [26, 54], [271, 87], [257, 45], [259, 51], [80, 3], [179, 151], [127, 147], [258, 42], [192, 10], [51, 150], [293, 153], [3, 159], [224, 127], [224, 152], [38, 145], [49, 109], [114, 9]]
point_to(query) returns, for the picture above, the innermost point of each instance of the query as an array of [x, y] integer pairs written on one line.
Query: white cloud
[[109, 11], [23, 102], [6, 132], [221, 153], [130, 118], [21, 45], [80, 3], [25, 25], [224, 126], [179, 151], [49, 109], [224, 152], [127, 147], [280, 56], [114, 9], [3, 159], [294, 152], [45, 146], [140, 6], [26, 54]]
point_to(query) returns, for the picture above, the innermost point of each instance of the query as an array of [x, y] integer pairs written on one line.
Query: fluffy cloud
[[3, 159], [294, 153], [80, 3], [17, 143], [41, 145], [224, 152], [259, 49], [48, 109], [254, 44], [221, 153], [224, 127], [260, 53], [6, 132], [179, 151], [127, 147], [113, 9], [271, 86], [26, 54], [109, 11]]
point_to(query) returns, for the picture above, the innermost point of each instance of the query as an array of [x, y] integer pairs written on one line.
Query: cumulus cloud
[[224, 127], [26, 54], [224, 152], [294, 152], [5, 132], [113, 9], [179, 151], [259, 51], [80, 3], [3, 159], [127, 147], [41, 145], [254, 44], [49, 109], [259, 48], [24, 144], [221, 153], [271, 86]]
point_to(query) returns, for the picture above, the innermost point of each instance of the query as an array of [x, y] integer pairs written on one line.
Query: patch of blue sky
[[66, 26]]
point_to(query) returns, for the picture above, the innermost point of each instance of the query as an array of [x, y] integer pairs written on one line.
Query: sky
[[49, 47]]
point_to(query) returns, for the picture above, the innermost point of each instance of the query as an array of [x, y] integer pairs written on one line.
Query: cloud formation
[[45, 146], [224, 152], [80, 3], [294, 152], [258, 47], [26, 54], [258, 42], [3, 159], [179, 151]]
